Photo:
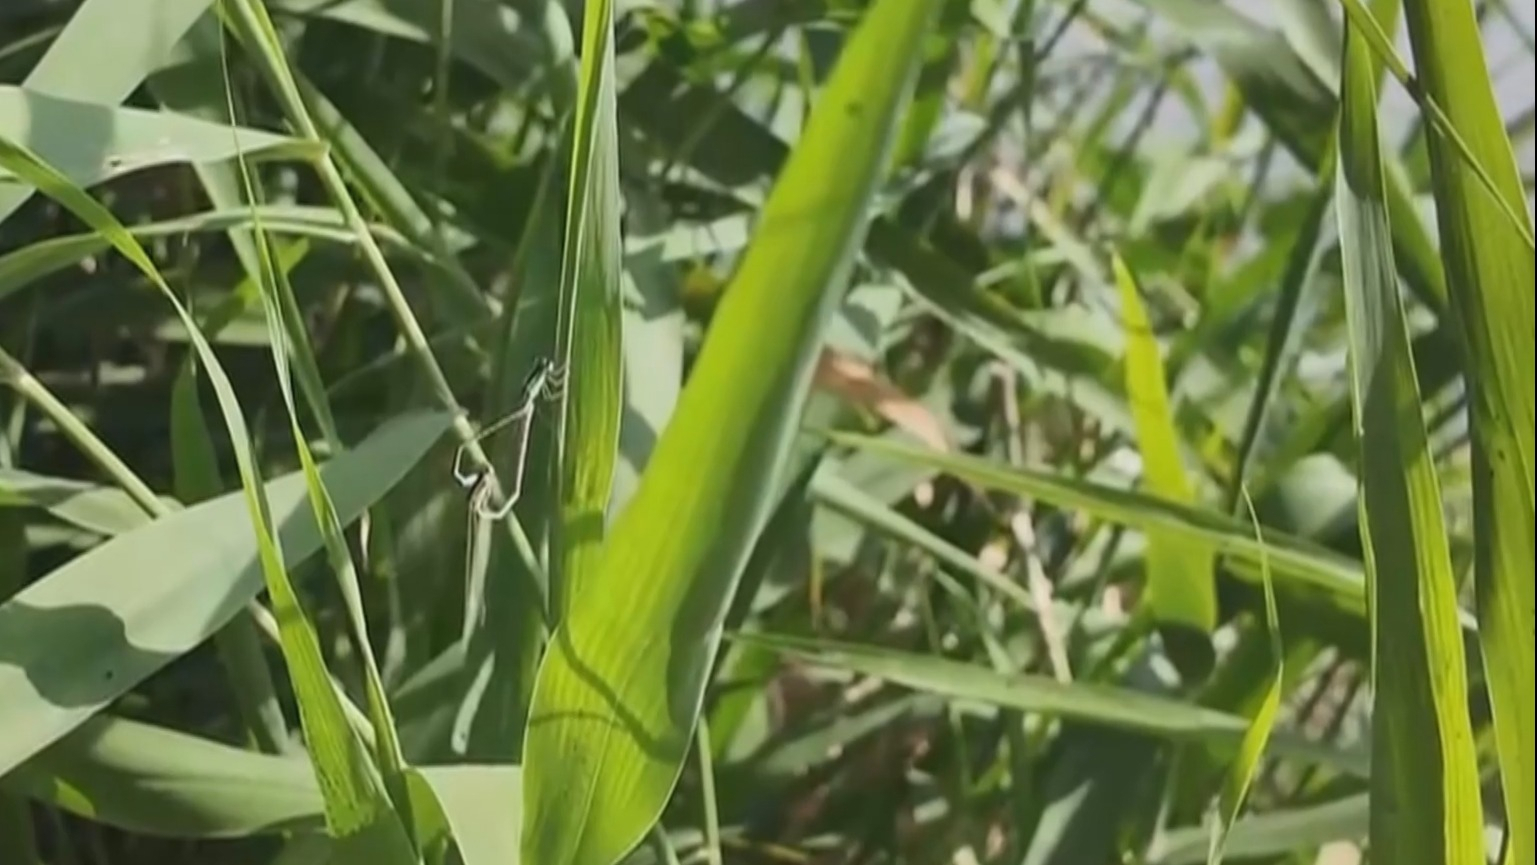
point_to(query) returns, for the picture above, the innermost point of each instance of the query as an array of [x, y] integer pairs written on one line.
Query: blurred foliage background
[[1100, 310]]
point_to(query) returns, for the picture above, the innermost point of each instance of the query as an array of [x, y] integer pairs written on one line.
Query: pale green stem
[[702, 747]]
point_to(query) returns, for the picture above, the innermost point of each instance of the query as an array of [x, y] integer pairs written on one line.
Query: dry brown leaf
[[859, 383]]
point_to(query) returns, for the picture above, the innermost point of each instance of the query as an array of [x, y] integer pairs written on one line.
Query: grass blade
[[251, 23], [620, 688], [1181, 587], [288, 344], [36, 260], [589, 334], [1425, 793], [1287, 556], [1492, 275], [1102, 705], [355, 805], [1240, 775]]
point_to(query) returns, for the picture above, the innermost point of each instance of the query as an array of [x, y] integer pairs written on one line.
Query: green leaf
[[1181, 587], [483, 806], [80, 637], [590, 331], [1425, 786], [1290, 557], [79, 67], [1103, 705], [90, 143], [157, 781], [1272, 834], [289, 346], [355, 805], [620, 688], [104, 510], [1491, 271]]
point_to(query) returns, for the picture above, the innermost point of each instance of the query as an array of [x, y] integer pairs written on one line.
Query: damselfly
[[547, 380]]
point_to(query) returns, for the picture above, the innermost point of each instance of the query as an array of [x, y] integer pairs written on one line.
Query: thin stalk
[[254, 28], [712, 851]]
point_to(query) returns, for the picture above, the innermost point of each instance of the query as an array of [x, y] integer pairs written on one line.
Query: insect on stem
[[547, 380]]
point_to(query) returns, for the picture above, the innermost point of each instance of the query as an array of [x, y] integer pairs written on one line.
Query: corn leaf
[[589, 345], [1425, 793], [1490, 270], [620, 689]]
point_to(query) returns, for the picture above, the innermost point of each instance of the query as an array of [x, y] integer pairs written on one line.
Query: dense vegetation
[[835, 432]]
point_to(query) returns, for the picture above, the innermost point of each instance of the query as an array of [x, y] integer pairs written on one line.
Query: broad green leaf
[[1181, 587], [102, 55], [1425, 785], [621, 685], [157, 781], [1491, 272], [91, 143], [482, 805], [105, 510], [589, 344], [80, 637]]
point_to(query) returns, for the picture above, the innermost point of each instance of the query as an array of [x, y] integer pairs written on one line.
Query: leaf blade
[[1425, 792], [633, 681]]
